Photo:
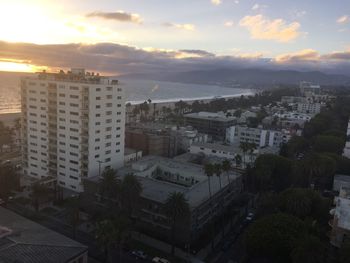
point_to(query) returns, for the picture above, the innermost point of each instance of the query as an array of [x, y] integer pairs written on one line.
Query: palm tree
[[244, 146], [108, 185], [218, 170], [238, 160], [73, 214], [209, 171], [177, 208], [130, 193], [226, 167], [111, 232], [39, 193]]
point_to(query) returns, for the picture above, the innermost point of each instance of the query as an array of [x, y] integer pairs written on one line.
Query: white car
[[160, 260]]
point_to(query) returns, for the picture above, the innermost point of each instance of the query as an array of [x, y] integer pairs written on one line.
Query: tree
[[272, 172], [111, 232], [226, 167], [273, 237], [177, 208], [5, 135], [309, 249], [323, 143], [344, 253], [317, 169], [130, 189], [302, 203], [295, 146], [39, 193], [108, 184], [209, 171], [73, 215], [9, 180], [238, 160]]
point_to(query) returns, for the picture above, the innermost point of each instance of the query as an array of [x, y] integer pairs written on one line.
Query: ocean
[[136, 91]]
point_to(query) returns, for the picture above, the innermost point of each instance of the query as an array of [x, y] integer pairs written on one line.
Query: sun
[[19, 67]]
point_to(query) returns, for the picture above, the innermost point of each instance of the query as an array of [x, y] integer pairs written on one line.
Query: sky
[[156, 35]]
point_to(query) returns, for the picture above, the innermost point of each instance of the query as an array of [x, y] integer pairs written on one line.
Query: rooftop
[[75, 75], [210, 116], [29, 242], [159, 190]]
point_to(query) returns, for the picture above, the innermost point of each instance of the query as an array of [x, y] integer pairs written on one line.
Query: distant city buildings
[[309, 89], [161, 140], [72, 126]]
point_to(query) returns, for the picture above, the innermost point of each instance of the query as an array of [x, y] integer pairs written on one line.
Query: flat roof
[[209, 116], [158, 190], [30, 242]]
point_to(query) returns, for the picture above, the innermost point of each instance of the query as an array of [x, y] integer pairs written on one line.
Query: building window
[[108, 105], [73, 88], [109, 96], [62, 103], [98, 98], [74, 96], [62, 95]]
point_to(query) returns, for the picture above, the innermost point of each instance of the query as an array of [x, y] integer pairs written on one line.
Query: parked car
[[139, 254], [160, 260]]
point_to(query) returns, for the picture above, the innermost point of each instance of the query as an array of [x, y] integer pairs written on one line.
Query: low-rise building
[[258, 136], [131, 155], [22, 241], [161, 177], [309, 108], [341, 221], [309, 89], [292, 119], [213, 124]]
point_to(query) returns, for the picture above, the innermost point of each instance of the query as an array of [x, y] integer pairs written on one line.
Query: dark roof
[[30, 242]]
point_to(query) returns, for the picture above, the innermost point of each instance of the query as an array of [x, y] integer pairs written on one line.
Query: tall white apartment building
[[309, 108], [72, 126], [346, 151]]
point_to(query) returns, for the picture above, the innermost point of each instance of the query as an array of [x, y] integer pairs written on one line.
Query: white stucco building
[[346, 151], [260, 137], [72, 126]]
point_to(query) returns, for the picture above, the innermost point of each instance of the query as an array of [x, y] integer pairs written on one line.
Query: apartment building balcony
[[84, 141], [84, 134]]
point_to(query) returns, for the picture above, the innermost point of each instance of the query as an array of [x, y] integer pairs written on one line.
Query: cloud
[[123, 59], [229, 23], [255, 7], [261, 27], [236, 2], [189, 27], [343, 19], [338, 55], [302, 55], [216, 2], [118, 16]]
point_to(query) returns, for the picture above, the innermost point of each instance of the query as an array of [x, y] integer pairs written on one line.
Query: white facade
[[346, 151], [73, 126], [262, 138], [309, 108]]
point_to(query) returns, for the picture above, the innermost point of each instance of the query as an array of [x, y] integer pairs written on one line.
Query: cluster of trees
[[293, 214], [222, 104], [9, 180], [6, 135], [122, 200]]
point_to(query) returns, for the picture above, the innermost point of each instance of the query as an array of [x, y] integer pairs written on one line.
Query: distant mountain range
[[246, 77]]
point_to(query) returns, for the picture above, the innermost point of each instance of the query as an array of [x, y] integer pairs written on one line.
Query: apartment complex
[[346, 151], [213, 124], [72, 126], [260, 137], [309, 89], [161, 177]]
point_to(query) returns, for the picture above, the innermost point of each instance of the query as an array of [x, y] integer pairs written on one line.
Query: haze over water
[[135, 90]]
